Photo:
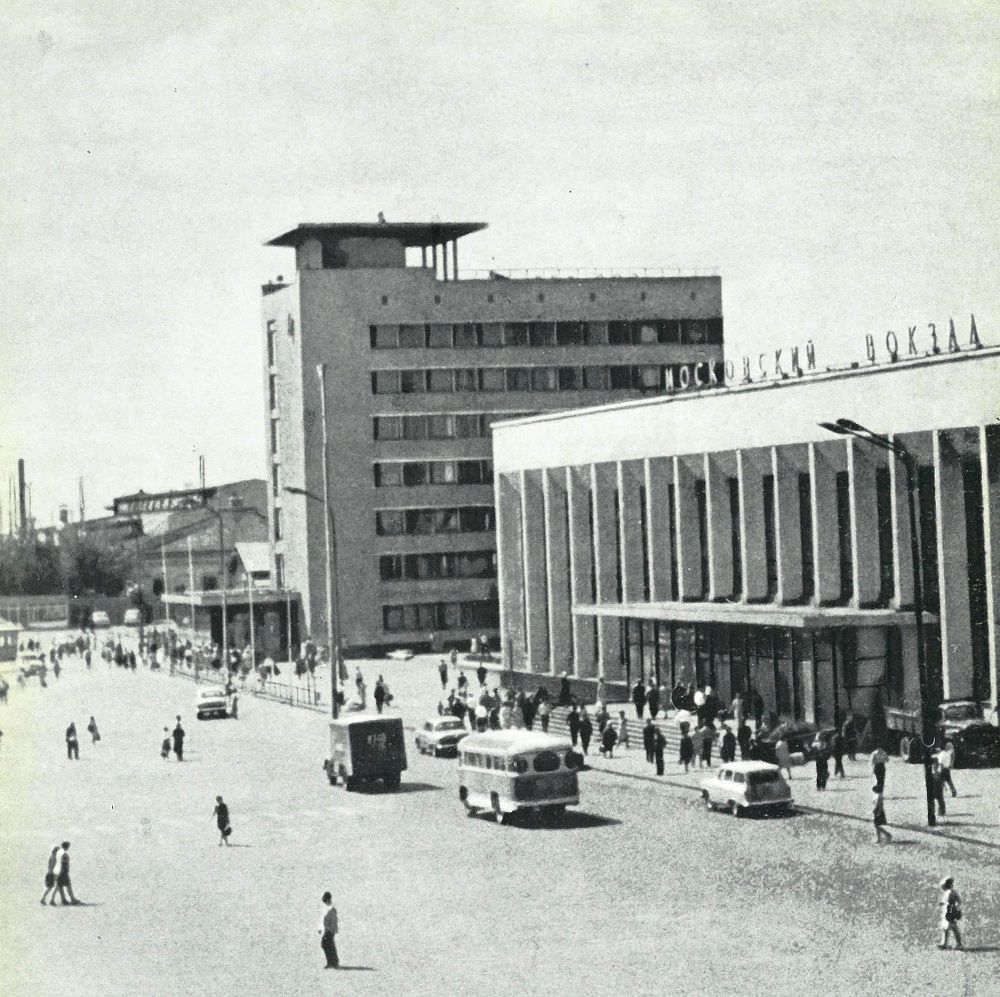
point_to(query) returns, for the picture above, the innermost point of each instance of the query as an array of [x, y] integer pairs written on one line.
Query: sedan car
[[213, 702], [799, 735], [742, 786], [440, 736]]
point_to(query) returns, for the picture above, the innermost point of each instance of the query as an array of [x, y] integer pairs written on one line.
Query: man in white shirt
[[946, 759], [328, 931]]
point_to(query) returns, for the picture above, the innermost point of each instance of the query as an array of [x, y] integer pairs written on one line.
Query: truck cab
[[366, 749]]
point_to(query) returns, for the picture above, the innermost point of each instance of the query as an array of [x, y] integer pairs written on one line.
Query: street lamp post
[[846, 427], [222, 581]]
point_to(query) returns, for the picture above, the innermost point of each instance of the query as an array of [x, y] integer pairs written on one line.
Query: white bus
[[510, 770]]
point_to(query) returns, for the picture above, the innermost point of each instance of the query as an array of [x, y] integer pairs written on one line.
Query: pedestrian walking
[[850, 733], [95, 734], [878, 817], [879, 760], [653, 699], [727, 747], [453, 657], [937, 786], [608, 740], [72, 743], [649, 739], [565, 693], [822, 763], [586, 730], [950, 906], [837, 748], [328, 930], [743, 737], [707, 739], [782, 756], [946, 759], [573, 722], [50, 878], [659, 745], [686, 756], [639, 697], [165, 744], [481, 674], [443, 673], [544, 715], [379, 694], [623, 738], [462, 682], [222, 821], [179, 741], [63, 882]]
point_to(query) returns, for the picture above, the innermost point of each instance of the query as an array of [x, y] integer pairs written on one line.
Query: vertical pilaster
[[689, 578], [659, 474], [902, 553], [826, 538], [953, 570], [752, 548], [557, 567], [787, 525], [510, 564], [864, 523], [989, 458], [604, 482], [630, 531], [535, 587], [581, 548], [719, 514]]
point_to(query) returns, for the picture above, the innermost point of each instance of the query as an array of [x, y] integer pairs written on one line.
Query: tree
[[95, 566], [29, 568]]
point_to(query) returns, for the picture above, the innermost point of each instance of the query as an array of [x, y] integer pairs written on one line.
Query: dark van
[[366, 749]]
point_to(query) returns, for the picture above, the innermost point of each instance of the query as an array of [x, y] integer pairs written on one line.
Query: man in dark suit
[[653, 699], [639, 697], [649, 738]]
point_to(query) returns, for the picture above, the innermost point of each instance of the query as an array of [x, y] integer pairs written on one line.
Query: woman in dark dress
[[221, 814]]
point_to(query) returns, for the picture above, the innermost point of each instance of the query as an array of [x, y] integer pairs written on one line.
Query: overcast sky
[[837, 163]]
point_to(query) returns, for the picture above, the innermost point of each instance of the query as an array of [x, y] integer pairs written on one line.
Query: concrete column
[[659, 473], [752, 549], [826, 538], [581, 556], [953, 569], [864, 523], [510, 565], [630, 482], [787, 524], [535, 582], [902, 555], [604, 482], [720, 530], [989, 459], [612, 667], [557, 568], [689, 578]]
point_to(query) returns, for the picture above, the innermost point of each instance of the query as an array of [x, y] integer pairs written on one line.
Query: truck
[[366, 749], [961, 721]]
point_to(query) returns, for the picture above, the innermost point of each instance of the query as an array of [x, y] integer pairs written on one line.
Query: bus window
[[546, 761]]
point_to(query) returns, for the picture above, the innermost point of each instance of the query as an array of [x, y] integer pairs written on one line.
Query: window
[[445, 521], [467, 426], [569, 333], [649, 377], [427, 616], [209, 583], [274, 436], [440, 336], [466, 336], [441, 427], [694, 331], [275, 488], [467, 380], [272, 390], [480, 615], [492, 334], [619, 377], [542, 333], [668, 331], [469, 472], [544, 379], [279, 570], [412, 382], [619, 333], [570, 379], [399, 618], [387, 427], [385, 382], [390, 567], [516, 334], [595, 333], [420, 522], [384, 337], [451, 615], [715, 330], [414, 474], [476, 564], [271, 326], [390, 523], [595, 378], [518, 379], [444, 472], [546, 761], [414, 427], [493, 379], [441, 381], [389, 475], [647, 333], [412, 337], [476, 519]]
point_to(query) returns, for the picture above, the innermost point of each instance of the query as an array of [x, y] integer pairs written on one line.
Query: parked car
[[132, 617], [961, 721], [742, 786], [440, 736], [799, 735], [99, 618], [213, 701]]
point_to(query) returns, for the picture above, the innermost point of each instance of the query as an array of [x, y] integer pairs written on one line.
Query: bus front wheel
[[497, 809]]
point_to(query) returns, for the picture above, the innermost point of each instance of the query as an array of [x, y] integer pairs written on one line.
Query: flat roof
[[408, 233]]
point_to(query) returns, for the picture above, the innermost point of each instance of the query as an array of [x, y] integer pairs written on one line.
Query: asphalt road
[[639, 891]]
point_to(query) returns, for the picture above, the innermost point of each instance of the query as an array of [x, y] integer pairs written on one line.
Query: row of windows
[[446, 380], [432, 616], [410, 474], [421, 522], [469, 335], [474, 425], [420, 567]]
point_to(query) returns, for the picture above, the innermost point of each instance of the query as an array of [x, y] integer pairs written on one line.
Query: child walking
[[950, 905], [879, 818]]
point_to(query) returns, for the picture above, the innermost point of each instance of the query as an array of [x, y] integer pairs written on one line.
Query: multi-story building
[[419, 366], [758, 538]]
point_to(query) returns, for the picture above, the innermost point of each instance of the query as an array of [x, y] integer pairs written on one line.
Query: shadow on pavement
[[571, 820]]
